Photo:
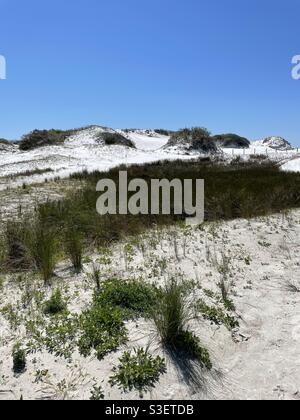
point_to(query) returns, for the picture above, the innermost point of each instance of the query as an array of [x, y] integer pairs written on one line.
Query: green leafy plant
[[138, 370], [97, 393], [216, 315], [103, 330], [134, 298], [59, 337]]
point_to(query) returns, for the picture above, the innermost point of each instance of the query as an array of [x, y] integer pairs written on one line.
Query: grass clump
[[138, 370], [55, 305], [171, 316], [95, 276], [43, 248], [15, 244], [74, 247], [19, 359], [217, 315]]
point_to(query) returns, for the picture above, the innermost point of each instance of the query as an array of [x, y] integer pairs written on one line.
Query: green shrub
[[39, 138], [138, 370], [103, 330], [195, 138], [19, 359], [231, 141], [116, 139], [55, 304], [134, 298]]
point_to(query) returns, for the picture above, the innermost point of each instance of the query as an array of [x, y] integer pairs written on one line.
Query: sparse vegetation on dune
[[40, 138], [241, 190], [118, 310], [231, 141], [116, 139], [193, 139]]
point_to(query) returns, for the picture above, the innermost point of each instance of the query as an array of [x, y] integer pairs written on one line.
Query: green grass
[[241, 190], [43, 249], [74, 247], [171, 315]]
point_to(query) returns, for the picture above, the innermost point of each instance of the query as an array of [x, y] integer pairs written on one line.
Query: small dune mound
[[7, 146], [232, 141], [192, 140], [277, 143]]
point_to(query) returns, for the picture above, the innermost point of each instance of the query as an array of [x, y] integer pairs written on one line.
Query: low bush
[[116, 139], [231, 141], [103, 330], [55, 304], [40, 138], [138, 370], [19, 359], [97, 393], [194, 139], [134, 298]]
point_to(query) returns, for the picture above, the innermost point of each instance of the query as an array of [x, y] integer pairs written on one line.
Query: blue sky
[[222, 64]]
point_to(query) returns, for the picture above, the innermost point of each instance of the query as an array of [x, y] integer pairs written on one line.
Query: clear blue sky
[[222, 64]]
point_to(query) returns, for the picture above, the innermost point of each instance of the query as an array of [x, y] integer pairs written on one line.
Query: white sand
[[260, 360]]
